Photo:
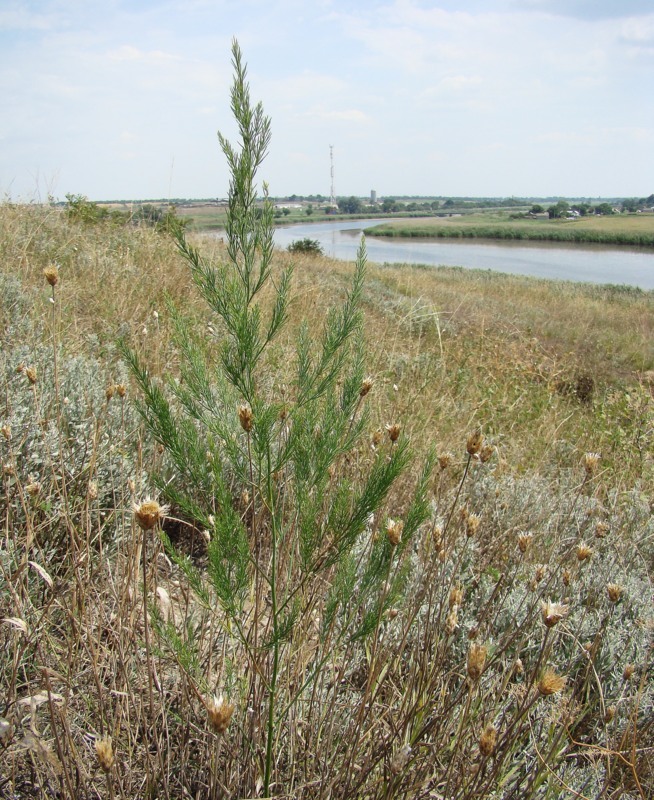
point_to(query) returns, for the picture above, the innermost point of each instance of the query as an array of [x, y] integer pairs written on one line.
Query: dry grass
[[460, 694]]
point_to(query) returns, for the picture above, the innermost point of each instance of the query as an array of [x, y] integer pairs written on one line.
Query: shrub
[[308, 246]]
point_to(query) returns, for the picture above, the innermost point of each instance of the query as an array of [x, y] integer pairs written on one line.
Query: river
[[574, 262]]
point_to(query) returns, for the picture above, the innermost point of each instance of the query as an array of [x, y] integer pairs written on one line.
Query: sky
[[122, 99]]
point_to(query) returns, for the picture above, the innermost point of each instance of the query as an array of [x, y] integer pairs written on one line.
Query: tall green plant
[[298, 554]]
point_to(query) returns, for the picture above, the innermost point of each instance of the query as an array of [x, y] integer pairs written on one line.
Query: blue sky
[[123, 98]]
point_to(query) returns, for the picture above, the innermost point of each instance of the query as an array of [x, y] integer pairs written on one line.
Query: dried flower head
[[110, 391], [393, 431], [539, 574], [476, 661], [601, 529], [628, 672], [551, 683], [51, 274], [6, 432], [31, 374], [567, 577], [400, 759], [524, 541], [553, 612], [486, 453], [220, 713], [583, 552], [445, 460], [93, 490], [245, 417], [488, 741], [474, 442], [105, 753], [149, 513], [121, 389], [518, 667], [394, 530], [591, 460], [614, 592], [366, 386], [609, 714], [456, 596], [33, 488], [472, 524], [437, 535], [451, 622], [376, 438]]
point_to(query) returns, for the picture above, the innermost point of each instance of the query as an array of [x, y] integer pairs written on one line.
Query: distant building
[[373, 197]]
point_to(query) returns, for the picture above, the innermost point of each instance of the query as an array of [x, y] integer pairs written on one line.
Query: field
[[275, 526], [631, 229], [463, 685]]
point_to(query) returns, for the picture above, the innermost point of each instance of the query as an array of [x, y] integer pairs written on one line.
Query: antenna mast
[[332, 199]]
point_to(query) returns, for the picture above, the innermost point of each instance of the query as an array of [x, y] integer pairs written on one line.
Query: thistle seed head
[[51, 274], [524, 541], [105, 752], [488, 741], [149, 513], [553, 612], [583, 552], [394, 530], [474, 442], [614, 592], [366, 386], [551, 683], [245, 417], [220, 713], [591, 460], [476, 661], [393, 431]]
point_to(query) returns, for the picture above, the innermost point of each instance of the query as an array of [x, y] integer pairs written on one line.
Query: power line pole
[[332, 199]]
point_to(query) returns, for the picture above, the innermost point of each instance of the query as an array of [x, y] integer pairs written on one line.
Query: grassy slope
[[549, 371], [636, 229]]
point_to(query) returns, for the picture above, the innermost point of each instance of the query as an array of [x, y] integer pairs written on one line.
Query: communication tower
[[332, 198]]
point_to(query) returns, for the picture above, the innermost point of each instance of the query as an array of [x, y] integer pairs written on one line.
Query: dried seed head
[[524, 540], [553, 612], [567, 577], [551, 683], [149, 513], [591, 460], [6, 432], [366, 386], [8, 469], [245, 497], [220, 713], [609, 714], [33, 488], [245, 417], [400, 759], [601, 529], [628, 672], [540, 573], [614, 592], [31, 374], [93, 490], [110, 391], [445, 460], [105, 753], [474, 442], [472, 525], [488, 741], [376, 437], [121, 389], [476, 661], [518, 666], [393, 432], [51, 274], [451, 622], [583, 552], [456, 596], [486, 453], [394, 530], [437, 535]]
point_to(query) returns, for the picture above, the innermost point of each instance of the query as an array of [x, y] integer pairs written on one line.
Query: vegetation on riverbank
[[363, 532], [619, 229]]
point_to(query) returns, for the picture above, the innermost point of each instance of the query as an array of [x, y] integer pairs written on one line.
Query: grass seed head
[[105, 752]]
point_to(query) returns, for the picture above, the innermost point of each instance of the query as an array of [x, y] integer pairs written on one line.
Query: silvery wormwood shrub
[[267, 463]]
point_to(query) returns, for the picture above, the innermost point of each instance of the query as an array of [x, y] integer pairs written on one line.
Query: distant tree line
[[81, 209]]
